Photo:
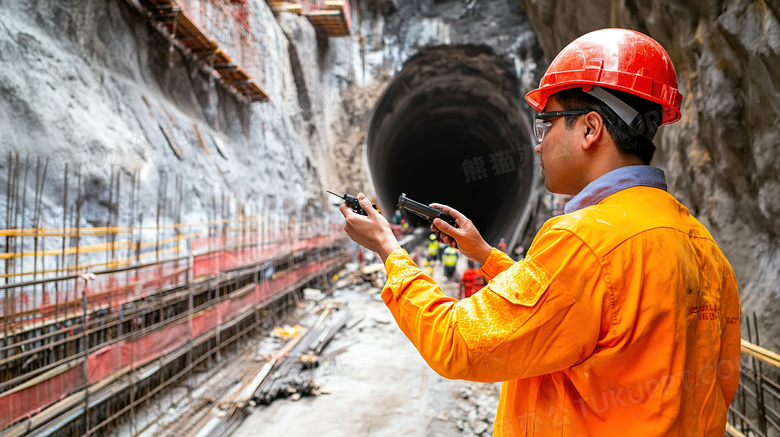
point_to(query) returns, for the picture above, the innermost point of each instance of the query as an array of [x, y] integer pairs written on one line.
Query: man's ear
[[592, 129]]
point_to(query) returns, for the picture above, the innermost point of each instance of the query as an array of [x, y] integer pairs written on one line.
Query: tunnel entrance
[[450, 129]]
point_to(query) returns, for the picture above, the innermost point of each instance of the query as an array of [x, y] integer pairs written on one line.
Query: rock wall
[[93, 84], [721, 159]]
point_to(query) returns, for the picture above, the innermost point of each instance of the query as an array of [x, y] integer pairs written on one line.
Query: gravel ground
[[380, 386]]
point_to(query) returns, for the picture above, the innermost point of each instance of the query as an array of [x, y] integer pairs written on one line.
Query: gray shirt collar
[[614, 181]]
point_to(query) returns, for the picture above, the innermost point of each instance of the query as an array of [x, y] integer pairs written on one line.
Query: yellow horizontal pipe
[[98, 247], [90, 231], [89, 248], [761, 353], [168, 240]]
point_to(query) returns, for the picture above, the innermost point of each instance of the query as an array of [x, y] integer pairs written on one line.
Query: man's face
[[558, 154]]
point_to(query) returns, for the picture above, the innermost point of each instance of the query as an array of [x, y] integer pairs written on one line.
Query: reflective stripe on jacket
[[622, 318]]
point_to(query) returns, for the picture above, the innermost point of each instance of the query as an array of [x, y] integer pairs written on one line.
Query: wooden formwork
[[330, 18], [189, 24]]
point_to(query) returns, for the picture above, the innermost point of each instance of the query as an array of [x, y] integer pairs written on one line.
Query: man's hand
[[466, 237], [372, 232]]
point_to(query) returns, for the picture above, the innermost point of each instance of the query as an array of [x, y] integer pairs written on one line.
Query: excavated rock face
[[721, 159], [93, 84]]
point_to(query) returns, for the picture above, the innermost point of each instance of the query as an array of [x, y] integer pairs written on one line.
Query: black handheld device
[[353, 203], [424, 211]]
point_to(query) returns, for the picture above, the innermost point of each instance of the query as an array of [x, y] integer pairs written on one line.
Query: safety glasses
[[543, 123]]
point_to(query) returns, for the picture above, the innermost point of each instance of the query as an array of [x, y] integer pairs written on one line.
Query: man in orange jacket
[[624, 314]]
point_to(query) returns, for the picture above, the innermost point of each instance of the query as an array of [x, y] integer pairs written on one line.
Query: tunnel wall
[[450, 128]]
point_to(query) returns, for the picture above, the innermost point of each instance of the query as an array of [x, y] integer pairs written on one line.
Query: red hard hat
[[619, 59]]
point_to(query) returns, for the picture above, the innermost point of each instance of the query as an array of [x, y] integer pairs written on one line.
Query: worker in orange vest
[[624, 314]]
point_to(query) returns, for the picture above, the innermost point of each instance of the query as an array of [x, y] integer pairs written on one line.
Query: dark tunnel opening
[[450, 128]]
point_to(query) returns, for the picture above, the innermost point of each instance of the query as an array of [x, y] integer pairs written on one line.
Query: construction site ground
[[379, 386]]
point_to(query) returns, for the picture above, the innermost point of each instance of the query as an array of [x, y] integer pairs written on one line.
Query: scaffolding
[[219, 33], [100, 321], [330, 18]]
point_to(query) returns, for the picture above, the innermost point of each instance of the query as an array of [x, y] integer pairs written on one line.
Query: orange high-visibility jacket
[[623, 318]]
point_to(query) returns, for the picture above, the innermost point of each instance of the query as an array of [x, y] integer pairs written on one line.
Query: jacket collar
[[614, 181]]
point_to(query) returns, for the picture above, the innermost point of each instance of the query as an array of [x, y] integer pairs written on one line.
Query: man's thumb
[[443, 226], [366, 204]]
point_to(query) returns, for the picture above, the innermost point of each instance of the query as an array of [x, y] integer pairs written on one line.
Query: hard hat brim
[[618, 59]]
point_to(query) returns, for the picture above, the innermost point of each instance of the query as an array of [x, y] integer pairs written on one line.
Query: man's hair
[[628, 140]]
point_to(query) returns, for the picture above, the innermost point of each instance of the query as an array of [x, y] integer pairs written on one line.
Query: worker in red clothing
[[471, 281], [624, 314]]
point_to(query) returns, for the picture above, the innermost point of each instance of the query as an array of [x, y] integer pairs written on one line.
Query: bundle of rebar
[[295, 373]]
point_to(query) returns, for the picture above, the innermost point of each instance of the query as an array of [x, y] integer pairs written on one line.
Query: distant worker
[[519, 252], [502, 245], [450, 261], [428, 267], [360, 256], [471, 280], [623, 318], [397, 218], [433, 248]]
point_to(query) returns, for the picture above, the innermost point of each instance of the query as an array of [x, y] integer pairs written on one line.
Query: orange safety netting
[[25, 402], [138, 352], [114, 289]]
